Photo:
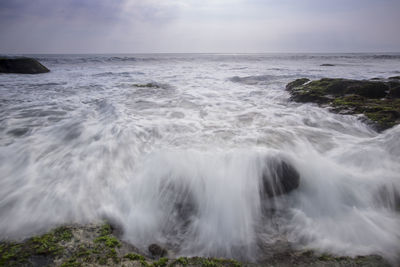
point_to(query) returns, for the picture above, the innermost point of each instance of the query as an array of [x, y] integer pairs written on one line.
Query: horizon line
[[199, 53]]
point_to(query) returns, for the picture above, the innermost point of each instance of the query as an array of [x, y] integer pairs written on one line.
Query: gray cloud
[[96, 26]]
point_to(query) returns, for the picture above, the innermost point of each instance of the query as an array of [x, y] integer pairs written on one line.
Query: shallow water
[[180, 163]]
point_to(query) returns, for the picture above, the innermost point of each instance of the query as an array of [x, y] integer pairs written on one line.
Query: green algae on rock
[[379, 101], [88, 245], [36, 250], [21, 65], [98, 245]]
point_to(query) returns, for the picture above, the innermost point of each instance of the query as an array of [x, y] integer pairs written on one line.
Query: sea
[[173, 148]]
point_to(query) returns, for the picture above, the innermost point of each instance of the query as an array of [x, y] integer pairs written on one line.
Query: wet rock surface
[[279, 177], [378, 100], [97, 245], [22, 65], [157, 251]]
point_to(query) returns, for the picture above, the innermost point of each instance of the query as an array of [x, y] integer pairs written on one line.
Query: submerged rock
[[327, 65], [21, 65], [379, 101], [279, 177], [179, 202]]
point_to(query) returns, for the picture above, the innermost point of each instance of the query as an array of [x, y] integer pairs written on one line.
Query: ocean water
[[180, 162]]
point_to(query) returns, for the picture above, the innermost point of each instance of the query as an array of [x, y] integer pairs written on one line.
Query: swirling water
[[179, 162]]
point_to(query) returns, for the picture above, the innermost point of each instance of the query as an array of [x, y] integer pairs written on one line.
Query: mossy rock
[[42, 249], [96, 245], [296, 83], [379, 101], [22, 65], [370, 89]]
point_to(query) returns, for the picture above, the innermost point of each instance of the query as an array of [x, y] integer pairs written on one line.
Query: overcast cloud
[[140, 26]]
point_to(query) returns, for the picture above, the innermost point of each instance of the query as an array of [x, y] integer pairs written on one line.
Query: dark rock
[[149, 85], [379, 101], [394, 92], [113, 226], [157, 251], [178, 200], [368, 89], [279, 177], [394, 78], [21, 65], [327, 65], [297, 83], [18, 132]]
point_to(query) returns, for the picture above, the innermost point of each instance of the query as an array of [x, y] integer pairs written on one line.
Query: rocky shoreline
[[100, 245], [377, 99]]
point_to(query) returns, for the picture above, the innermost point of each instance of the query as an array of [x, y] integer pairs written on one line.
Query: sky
[[198, 26]]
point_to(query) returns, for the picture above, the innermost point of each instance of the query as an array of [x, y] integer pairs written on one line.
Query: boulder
[[22, 65], [157, 251], [279, 177]]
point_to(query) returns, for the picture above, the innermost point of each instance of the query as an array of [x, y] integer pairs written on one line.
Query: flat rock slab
[[22, 65]]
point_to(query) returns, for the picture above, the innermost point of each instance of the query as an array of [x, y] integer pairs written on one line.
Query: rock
[[394, 78], [21, 65], [394, 92], [326, 86], [18, 132], [148, 85], [379, 101], [368, 89], [327, 65], [179, 200], [296, 83], [157, 251], [279, 177], [88, 245]]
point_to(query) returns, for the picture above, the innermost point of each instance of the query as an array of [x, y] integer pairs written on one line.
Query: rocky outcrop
[[22, 65], [378, 100], [96, 245]]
